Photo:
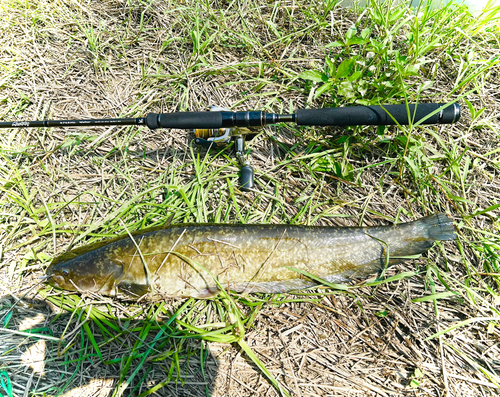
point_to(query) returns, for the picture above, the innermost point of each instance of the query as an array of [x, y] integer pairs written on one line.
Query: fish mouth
[[50, 279]]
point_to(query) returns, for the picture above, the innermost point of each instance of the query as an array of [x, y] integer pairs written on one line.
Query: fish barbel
[[199, 260]]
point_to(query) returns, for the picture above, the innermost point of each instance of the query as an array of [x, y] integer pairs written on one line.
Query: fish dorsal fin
[[133, 290], [169, 220], [73, 253]]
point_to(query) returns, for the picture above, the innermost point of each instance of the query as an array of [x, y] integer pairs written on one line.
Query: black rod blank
[[423, 113], [73, 123]]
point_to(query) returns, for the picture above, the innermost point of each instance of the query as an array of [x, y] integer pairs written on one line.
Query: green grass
[[148, 56]]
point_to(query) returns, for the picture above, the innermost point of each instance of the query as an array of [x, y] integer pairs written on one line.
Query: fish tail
[[438, 227], [421, 235]]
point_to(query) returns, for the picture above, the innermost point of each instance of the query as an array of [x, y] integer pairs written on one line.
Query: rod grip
[[184, 120], [378, 115]]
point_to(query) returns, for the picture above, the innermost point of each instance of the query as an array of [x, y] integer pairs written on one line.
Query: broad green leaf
[[356, 40], [351, 32], [334, 44], [345, 68], [412, 70], [313, 75], [331, 66], [325, 87], [428, 84], [382, 313], [397, 15], [355, 75], [346, 90]]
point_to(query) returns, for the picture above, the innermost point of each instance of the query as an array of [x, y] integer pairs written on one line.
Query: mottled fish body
[[198, 260]]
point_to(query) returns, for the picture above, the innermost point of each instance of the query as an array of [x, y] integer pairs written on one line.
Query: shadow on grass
[[87, 351]]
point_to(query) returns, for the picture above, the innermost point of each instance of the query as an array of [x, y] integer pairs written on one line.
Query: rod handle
[[184, 120], [379, 115], [210, 120]]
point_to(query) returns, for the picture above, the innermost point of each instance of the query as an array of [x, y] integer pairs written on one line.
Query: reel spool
[[209, 138], [218, 137]]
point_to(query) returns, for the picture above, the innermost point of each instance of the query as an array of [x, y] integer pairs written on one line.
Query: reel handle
[[246, 170], [246, 178]]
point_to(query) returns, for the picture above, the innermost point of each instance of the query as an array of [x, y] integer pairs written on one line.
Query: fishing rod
[[219, 126]]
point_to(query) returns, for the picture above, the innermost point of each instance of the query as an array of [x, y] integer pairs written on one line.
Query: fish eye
[[65, 273]]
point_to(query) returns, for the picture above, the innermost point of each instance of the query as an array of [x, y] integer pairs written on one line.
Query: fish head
[[89, 272]]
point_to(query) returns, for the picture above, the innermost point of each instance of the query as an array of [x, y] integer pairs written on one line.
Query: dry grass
[[65, 187]]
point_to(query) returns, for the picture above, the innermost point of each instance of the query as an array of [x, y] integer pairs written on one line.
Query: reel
[[217, 137]]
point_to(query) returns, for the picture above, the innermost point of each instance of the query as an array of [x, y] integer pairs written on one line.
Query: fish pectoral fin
[[132, 289], [206, 293]]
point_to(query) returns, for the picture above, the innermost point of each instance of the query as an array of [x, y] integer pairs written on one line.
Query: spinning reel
[[209, 138]]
